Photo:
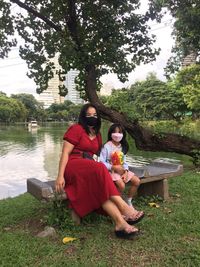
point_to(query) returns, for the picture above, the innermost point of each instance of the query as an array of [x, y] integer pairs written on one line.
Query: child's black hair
[[123, 142]]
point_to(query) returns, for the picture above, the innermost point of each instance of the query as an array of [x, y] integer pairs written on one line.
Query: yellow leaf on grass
[[153, 205], [68, 239]]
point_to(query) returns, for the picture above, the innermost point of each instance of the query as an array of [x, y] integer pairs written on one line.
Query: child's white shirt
[[106, 152]]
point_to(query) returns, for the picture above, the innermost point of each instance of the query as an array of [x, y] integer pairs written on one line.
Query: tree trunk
[[144, 138]]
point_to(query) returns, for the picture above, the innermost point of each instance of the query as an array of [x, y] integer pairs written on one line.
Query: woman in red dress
[[88, 183]]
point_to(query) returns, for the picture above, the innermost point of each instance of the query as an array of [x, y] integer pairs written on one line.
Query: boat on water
[[32, 124]]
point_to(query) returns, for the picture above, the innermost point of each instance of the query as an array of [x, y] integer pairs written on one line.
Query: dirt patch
[[190, 239], [72, 249], [32, 226]]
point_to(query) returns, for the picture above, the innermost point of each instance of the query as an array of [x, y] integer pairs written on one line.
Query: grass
[[170, 234]]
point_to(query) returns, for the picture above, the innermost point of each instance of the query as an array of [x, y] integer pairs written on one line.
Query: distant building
[[51, 95], [46, 98], [106, 89], [73, 95], [190, 59]]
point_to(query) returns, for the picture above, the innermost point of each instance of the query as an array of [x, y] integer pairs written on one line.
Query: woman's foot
[[133, 219], [129, 211], [126, 232]]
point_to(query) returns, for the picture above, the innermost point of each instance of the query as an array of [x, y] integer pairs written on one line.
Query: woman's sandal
[[126, 235], [139, 216]]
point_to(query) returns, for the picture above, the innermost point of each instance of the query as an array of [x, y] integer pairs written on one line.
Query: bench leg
[[159, 188]]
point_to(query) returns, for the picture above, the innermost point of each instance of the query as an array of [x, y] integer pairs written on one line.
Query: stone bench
[[154, 181], [154, 178]]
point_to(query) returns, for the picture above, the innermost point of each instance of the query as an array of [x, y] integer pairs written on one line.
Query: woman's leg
[[120, 224], [123, 206], [132, 216], [120, 185]]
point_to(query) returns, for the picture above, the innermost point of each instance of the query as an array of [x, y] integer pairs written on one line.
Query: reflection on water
[[27, 154]]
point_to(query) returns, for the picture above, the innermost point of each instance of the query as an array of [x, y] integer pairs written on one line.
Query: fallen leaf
[[68, 239], [7, 228], [167, 210], [150, 215], [153, 205]]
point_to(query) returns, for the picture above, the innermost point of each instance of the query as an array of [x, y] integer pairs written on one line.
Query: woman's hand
[[60, 181], [118, 169], [60, 184]]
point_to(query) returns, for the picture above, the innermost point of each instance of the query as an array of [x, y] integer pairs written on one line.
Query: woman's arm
[[66, 150]]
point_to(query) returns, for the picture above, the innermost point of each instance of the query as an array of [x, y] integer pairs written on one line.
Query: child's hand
[[118, 169], [125, 177]]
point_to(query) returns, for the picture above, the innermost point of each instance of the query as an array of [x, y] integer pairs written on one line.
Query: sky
[[13, 78]]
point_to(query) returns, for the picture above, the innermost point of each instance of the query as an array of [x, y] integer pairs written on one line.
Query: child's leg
[[135, 182], [120, 185], [118, 181]]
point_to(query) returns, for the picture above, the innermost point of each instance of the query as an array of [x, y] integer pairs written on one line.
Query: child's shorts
[[116, 176]]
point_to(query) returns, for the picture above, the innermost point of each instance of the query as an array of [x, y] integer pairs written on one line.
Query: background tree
[[73, 113], [34, 108], [186, 29], [2, 93], [120, 100], [59, 111], [95, 37], [188, 83], [151, 99], [11, 110], [155, 99]]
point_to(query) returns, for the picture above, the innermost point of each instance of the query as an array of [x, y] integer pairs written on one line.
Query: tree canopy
[[82, 33], [11, 110], [151, 99], [188, 83], [185, 29], [94, 37], [32, 106]]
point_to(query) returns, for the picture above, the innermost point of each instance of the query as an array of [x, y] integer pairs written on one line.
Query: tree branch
[[145, 139], [72, 23], [38, 15]]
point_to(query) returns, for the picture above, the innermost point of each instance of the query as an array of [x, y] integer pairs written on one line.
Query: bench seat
[[154, 181]]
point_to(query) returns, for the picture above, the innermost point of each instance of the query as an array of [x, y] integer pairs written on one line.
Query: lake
[[35, 154]]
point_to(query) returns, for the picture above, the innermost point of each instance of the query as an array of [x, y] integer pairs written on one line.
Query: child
[[113, 156]]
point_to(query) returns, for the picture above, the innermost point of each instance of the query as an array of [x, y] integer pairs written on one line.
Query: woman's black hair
[[82, 118], [123, 142]]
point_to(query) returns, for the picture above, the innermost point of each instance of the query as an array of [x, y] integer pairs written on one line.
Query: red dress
[[88, 183]]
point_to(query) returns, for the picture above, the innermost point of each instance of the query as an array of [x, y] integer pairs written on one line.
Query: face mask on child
[[117, 137]]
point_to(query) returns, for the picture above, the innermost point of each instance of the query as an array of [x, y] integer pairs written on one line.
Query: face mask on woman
[[117, 137], [91, 121]]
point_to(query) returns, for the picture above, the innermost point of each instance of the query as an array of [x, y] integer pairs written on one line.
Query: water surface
[[35, 154]]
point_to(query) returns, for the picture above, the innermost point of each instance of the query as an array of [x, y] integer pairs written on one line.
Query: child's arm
[[104, 158], [125, 165]]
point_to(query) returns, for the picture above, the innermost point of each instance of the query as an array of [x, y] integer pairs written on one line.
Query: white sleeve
[[104, 158], [125, 165]]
